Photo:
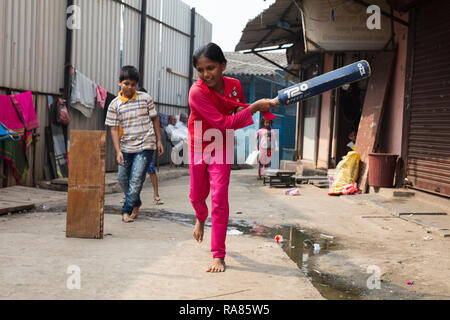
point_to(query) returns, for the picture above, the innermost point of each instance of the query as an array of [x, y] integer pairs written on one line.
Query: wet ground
[[302, 247]]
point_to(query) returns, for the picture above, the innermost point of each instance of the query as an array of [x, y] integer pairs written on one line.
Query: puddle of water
[[299, 246], [302, 249]]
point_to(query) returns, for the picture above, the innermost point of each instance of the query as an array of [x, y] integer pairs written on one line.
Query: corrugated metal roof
[[240, 63], [280, 24]]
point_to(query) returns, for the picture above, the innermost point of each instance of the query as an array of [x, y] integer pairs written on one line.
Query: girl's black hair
[[261, 125], [129, 73], [211, 51]]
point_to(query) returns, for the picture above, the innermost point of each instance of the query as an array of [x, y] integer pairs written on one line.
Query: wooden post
[[372, 112], [85, 205]]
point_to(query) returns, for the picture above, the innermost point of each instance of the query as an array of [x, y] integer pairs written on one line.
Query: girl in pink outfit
[[267, 138], [214, 117]]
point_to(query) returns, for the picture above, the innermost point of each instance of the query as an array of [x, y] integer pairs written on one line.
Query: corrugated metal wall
[[203, 31], [154, 8], [152, 55], [32, 42], [96, 54], [175, 55], [96, 46], [131, 21], [32, 51], [428, 163], [134, 3]]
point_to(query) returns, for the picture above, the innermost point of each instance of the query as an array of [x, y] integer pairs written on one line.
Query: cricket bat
[[328, 81]]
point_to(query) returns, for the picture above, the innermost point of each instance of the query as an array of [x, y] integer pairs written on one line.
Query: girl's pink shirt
[[214, 113]]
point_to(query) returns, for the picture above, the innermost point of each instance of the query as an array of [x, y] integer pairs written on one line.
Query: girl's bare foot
[[135, 212], [217, 266], [126, 218], [198, 231]]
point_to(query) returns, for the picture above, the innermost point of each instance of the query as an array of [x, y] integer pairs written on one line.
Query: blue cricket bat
[[328, 81]]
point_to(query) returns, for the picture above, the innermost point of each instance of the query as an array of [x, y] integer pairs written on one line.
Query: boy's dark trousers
[[132, 177]]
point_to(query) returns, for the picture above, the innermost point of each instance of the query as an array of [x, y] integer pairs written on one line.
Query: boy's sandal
[[158, 201]]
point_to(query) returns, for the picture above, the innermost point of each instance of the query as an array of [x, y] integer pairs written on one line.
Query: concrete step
[[111, 183], [429, 216], [302, 168]]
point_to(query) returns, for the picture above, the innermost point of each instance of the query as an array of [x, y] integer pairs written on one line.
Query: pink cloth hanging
[[101, 96], [8, 114], [24, 102]]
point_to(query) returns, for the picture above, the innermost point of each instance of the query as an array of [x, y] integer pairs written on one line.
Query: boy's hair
[[211, 51], [129, 73]]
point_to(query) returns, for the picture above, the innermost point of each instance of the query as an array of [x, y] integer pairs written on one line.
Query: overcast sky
[[228, 17]]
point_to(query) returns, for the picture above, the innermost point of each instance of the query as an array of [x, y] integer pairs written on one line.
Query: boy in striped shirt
[[134, 111]]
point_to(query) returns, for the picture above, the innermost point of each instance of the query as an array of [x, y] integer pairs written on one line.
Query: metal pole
[[191, 52], [142, 42], [68, 57]]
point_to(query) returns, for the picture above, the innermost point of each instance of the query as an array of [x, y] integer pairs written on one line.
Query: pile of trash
[[344, 182]]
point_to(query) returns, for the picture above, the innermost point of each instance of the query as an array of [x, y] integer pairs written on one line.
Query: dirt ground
[[367, 235], [148, 259], [158, 259]]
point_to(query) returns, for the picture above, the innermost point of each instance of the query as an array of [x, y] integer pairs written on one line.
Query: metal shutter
[[428, 163]]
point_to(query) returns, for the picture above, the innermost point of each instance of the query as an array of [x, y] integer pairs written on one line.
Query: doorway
[[349, 105], [310, 112]]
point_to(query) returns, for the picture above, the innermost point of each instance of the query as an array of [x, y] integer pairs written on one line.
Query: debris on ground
[[307, 243], [279, 238], [316, 248], [234, 232], [292, 192]]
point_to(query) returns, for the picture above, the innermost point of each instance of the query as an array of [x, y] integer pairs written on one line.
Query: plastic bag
[[351, 188], [346, 173], [292, 192], [6, 134], [252, 159], [62, 114]]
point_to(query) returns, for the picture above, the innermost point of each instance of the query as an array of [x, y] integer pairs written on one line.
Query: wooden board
[[14, 206], [306, 178], [86, 190], [372, 113], [20, 198]]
